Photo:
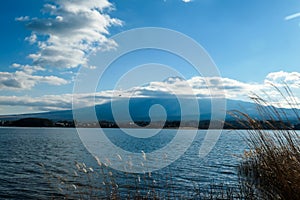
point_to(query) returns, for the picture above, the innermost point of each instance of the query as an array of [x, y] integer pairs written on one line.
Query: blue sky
[[42, 48]]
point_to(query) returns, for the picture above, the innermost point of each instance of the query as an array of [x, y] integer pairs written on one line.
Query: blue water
[[39, 163]]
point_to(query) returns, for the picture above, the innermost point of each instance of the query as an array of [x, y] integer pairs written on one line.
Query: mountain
[[139, 110]]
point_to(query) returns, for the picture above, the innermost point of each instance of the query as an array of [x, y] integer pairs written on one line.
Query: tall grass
[[101, 183], [272, 163]]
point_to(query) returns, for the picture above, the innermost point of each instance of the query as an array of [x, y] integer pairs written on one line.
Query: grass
[[272, 164], [101, 183]]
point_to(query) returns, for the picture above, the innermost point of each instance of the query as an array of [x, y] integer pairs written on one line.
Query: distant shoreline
[[169, 128], [169, 124]]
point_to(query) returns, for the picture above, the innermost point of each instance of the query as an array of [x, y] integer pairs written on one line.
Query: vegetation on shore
[[272, 163], [103, 182], [203, 124]]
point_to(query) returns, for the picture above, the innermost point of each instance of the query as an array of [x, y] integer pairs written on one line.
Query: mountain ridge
[[139, 110]]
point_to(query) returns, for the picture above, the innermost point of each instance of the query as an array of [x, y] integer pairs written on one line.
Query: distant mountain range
[[139, 110]]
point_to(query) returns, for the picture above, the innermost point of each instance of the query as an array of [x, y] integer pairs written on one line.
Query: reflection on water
[[24, 150]]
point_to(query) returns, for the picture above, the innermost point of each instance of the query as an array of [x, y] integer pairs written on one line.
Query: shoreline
[[169, 128]]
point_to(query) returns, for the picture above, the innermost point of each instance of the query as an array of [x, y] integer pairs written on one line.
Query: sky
[[45, 43]]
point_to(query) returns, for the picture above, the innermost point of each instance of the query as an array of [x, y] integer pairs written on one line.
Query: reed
[[102, 183], [272, 163]]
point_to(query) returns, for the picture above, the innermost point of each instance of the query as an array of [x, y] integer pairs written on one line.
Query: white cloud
[[28, 69], [186, 1], [292, 79], [25, 80], [209, 87], [293, 16], [54, 102], [32, 39], [74, 29], [69, 32], [44, 103], [22, 18], [202, 87]]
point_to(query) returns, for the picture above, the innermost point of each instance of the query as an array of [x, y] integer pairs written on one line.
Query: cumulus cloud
[[292, 79], [28, 69], [43, 103], [25, 80], [32, 39], [204, 87], [201, 87], [70, 31]]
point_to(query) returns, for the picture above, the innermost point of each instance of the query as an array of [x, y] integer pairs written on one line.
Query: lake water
[[25, 150]]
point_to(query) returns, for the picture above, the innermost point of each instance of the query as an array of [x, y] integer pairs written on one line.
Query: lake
[[39, 163]]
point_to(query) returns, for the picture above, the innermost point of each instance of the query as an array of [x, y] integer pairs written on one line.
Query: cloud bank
[[202, 87]]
